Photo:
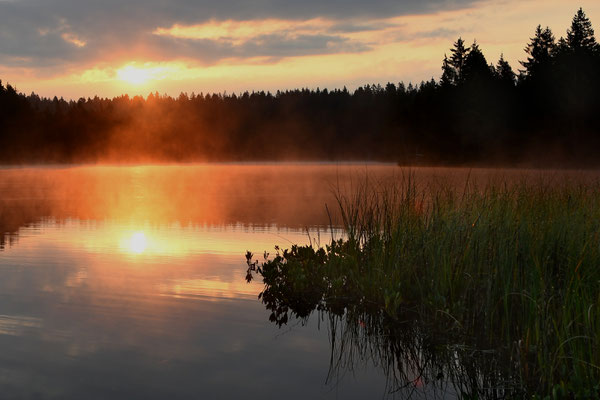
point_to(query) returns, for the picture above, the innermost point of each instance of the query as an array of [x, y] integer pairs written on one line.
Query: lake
[[127, 282]]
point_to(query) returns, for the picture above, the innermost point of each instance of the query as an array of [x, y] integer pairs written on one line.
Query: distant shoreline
[[353, 163]]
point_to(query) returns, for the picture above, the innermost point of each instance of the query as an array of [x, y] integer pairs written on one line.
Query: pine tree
[[541, 50], [458, 58], [577, 63], [475, 65], [448, 73], [580, 37], [504, 71]]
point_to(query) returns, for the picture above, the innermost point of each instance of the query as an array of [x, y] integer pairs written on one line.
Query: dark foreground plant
[[509, 271]]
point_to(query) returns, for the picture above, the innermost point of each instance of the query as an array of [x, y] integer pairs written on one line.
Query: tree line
[[545, 113]]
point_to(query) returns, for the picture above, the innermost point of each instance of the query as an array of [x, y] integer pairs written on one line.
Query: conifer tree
[[580, 37], [448, 73], [475, 65], [504, 71], [577, 63], [458, 58], [540, 50]]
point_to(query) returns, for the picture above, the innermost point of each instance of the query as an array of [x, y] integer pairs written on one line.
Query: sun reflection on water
[[147, 241], [138, 243]]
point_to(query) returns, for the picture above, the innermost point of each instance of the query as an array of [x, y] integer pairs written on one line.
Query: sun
[[138, 243], [142, 73], [134, 75]]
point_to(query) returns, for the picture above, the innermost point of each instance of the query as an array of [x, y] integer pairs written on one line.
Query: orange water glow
[[174, 231], [137, 243], [112, 259], [182, 231]]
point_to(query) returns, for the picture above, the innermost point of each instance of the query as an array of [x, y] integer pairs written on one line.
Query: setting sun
[[139, 74], [134, 75], [138, 243]]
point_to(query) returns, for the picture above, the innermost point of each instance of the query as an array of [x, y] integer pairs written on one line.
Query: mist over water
[[128, 281]]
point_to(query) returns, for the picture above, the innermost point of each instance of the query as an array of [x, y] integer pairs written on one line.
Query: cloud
[[67, 33], [360, 26], [273, 38], [437, 33], [440, 33], [276, 45]]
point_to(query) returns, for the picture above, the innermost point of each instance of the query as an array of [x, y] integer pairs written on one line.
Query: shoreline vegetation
[[477, 113], [488, 290]]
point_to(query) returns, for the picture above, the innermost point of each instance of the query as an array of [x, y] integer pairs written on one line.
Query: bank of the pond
[[509, 268]]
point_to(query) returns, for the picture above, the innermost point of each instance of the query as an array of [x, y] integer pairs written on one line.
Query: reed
[[509, 267]]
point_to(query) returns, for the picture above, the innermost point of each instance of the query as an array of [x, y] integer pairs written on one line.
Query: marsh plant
[[492, 289]]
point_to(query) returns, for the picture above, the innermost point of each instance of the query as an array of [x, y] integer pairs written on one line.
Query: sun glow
[[137, 243], [141, 73], [134, 75]]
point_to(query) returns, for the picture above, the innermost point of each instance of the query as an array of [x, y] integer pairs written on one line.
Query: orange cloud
[[239, 32], [73, 39]]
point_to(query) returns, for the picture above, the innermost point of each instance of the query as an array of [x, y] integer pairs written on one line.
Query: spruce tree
[[580, 37], [475, 65], [458, 58], [504, 71], [541, 50], [448, 73], [577, 63]]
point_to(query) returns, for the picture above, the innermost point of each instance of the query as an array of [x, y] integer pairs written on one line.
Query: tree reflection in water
[[420, 359]]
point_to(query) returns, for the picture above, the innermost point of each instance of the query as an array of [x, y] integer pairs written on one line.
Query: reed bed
[[511, 268]]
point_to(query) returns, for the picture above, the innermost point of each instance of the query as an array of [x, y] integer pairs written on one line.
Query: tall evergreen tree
[[540, 50], [580, 37], [504, 71], [475, 65], [448, 73], [458, 58], [576, 71]]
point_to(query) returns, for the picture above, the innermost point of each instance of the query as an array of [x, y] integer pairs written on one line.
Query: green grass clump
[[514, 268]]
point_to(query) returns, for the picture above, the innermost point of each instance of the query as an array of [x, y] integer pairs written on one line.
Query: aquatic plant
[[512, 269]]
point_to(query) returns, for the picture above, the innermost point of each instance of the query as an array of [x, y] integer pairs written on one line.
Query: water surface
[[128, 282]]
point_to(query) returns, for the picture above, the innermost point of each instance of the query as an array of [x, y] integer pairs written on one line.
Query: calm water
[[128, 282]]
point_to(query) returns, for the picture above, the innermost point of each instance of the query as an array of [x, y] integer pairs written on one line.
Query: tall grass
[[510, 267]]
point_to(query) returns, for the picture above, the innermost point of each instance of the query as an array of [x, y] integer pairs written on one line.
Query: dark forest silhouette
[[477, 113]]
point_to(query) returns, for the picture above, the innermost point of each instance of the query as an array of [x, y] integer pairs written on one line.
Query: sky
[[84, 48]]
